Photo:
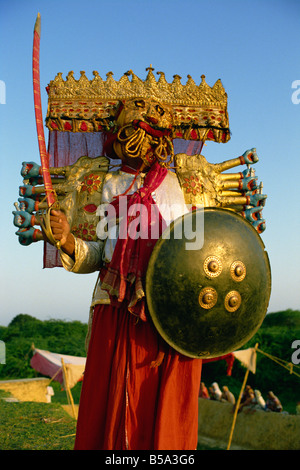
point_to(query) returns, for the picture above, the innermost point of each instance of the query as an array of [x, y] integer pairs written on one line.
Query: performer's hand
[[159, 358], [61, 231]]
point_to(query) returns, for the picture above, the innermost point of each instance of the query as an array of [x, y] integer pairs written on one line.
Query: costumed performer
[[137, 393]]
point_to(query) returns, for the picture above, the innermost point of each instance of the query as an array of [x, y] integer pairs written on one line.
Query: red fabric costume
[[125, 403]]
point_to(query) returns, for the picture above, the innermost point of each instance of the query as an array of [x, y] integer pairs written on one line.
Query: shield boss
[[210, 301]]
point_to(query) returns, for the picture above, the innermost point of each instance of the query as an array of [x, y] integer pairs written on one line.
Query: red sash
[[123, 277]]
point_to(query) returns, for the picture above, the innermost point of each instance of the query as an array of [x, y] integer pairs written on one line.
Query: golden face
[[147, 110], [144, 127]]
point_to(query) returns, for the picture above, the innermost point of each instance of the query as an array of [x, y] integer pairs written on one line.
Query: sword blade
[[50, 193]]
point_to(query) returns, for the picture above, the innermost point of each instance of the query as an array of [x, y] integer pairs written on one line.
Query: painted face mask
[[144, 131]]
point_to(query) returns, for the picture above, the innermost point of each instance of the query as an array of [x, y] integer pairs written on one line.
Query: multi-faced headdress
[[139, 118]]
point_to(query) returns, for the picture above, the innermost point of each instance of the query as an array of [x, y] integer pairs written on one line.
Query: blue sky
[[252, 46]]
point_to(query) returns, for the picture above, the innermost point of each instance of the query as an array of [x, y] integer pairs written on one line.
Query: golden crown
[[199, 112]]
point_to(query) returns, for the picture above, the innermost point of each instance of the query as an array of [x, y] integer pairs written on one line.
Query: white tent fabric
[[247, 357], [49, 364]]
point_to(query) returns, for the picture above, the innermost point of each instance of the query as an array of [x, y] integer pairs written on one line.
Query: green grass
[[40, 426], [60, 395], [35, 426]]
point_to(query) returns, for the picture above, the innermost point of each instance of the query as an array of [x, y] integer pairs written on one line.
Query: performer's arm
[[87, 257]]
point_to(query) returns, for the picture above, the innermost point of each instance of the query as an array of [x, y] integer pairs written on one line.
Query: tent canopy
[[50, 364], [247, 358]]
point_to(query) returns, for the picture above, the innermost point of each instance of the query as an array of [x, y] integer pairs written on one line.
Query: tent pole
[[68, 391], [237, 408], [56, 373], [238, 404]]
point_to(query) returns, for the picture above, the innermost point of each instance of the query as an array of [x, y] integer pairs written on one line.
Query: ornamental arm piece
[[205, 185]]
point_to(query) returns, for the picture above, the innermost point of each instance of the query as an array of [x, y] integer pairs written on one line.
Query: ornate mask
[[144, 128]]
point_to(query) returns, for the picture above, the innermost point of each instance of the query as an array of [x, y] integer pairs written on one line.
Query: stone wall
[[27, 389], [254, 429]]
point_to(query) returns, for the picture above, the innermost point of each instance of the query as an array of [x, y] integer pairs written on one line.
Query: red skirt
[[124, 403]]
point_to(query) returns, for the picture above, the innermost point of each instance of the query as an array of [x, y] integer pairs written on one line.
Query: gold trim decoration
[[238, 271], [208, 297], [232, 301], [212, 266], [83, 105]]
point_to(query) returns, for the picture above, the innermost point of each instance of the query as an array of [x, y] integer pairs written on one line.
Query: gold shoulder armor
[[208, 185], [79, 190]]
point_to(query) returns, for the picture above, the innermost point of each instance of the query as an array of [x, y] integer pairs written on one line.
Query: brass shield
[[210, 301]]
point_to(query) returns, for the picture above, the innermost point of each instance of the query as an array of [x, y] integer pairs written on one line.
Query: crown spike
[[162, 80], [97, 79], [70, 77], [176, 78], [83, 80], [190, 82], [150, 79], [124, 82]]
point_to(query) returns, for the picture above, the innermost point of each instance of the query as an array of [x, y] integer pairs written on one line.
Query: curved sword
[[50, 193]]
